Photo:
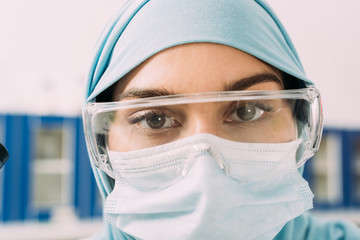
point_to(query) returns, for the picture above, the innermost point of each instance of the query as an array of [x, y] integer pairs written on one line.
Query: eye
[[153, 120], [156, 122], [248, 112]]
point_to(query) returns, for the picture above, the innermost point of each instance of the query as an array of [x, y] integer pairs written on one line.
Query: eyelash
[[233, 107], [260, 105], [146, 115]]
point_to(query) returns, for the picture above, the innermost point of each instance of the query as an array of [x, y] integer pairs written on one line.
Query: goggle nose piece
[[201, 149]]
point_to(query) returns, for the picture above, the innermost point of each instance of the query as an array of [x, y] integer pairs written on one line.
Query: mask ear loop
[[308, 152], [103, 162], [305, 150]]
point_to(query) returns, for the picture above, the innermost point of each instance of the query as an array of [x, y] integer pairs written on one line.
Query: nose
[[202, 125], [204, 119]]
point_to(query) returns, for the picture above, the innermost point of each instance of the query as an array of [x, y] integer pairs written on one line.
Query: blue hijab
[[142, 28]]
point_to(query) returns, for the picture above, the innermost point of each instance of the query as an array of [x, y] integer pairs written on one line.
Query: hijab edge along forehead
[[143, 28]]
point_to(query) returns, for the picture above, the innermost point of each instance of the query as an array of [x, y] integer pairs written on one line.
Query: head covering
[[142, 28]]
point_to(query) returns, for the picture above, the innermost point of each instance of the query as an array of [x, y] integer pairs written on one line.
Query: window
[[327, 170], [52, 167]]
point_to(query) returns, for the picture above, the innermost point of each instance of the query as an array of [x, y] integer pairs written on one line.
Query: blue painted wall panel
[[17, 174], [16, 180]]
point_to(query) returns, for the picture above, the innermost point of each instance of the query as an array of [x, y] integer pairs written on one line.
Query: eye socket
[[156, 121], [150, 119], [248, 112]]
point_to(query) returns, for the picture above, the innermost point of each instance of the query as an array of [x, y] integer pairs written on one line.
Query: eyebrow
[[241, 84], [248, 82], [143, 93]]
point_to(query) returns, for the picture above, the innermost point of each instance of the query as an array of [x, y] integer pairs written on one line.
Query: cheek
[[125, 139], [113, 140], [118, 139], [288, 133]]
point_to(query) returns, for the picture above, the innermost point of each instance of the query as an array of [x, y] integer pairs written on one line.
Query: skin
[[196, 68]]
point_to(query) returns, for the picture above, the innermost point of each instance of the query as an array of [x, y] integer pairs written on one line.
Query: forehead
[[196, 67]]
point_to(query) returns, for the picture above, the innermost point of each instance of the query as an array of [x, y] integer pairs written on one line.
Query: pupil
[[246, 113], [156, 121]]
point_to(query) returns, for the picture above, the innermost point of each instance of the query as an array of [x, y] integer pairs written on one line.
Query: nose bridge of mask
[[203, 149]]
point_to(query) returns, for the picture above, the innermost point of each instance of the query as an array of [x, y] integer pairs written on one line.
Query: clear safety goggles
[[241, 116]]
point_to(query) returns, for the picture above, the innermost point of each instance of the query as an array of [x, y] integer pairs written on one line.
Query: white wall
[[326, 34], [46, 47], [45, 51]]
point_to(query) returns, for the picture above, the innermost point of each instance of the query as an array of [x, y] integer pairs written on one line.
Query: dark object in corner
[[4, 155]]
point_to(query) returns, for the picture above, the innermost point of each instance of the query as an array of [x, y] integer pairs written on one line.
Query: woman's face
[[196, 68]]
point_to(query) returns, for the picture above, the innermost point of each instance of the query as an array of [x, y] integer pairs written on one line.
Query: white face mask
[[227, 190]]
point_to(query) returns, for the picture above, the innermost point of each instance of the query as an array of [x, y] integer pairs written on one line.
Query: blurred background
[[47, 190]]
